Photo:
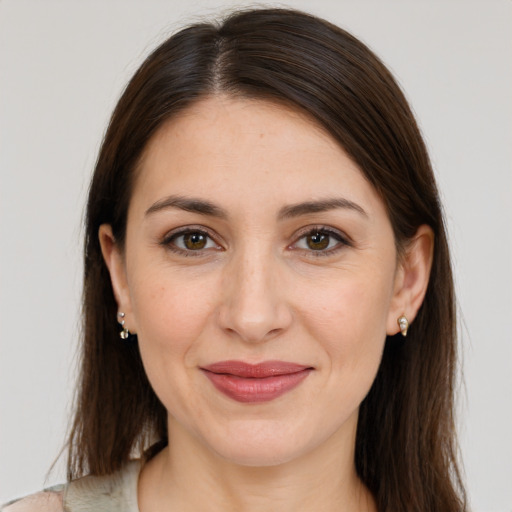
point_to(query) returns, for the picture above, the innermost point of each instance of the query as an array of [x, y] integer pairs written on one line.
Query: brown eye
[[188, 241], [321, 242], [195, 241], [318, 241]]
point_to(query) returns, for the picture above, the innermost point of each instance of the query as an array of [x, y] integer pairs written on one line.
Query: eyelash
[[169, 241], [341, 239]]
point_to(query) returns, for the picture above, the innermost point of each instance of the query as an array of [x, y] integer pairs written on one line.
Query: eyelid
[[184, 230], [343, 239]]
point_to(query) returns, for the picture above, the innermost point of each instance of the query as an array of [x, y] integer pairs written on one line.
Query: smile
[[262, 382]]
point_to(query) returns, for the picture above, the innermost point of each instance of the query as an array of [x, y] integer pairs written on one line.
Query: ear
[[411, 279], [115, 262]]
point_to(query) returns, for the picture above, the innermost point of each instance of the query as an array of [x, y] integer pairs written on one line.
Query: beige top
[[113, 493]]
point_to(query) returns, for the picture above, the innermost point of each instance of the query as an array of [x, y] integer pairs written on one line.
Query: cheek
[[171, 313], [349, 318], [171, 309]]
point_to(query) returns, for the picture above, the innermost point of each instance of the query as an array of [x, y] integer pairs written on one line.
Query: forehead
[[222, 124], [241, 149]]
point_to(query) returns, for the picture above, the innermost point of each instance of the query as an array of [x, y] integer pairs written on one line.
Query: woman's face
[[260, 275]]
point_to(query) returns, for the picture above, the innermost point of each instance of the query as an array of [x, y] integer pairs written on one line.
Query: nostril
[[255, 313]]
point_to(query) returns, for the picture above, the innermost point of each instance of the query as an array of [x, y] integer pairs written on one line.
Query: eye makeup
[[191, 241], [321, 240]]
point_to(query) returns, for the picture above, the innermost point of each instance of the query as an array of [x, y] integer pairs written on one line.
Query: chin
[[259, 456], [260, 446]]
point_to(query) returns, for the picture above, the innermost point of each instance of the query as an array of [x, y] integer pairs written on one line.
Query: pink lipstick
[[261, 382]]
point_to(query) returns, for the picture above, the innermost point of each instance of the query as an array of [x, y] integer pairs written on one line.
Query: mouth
[[249, 383]]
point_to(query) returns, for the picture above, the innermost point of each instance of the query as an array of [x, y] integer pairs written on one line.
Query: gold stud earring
[[125, 332], [403, 323]]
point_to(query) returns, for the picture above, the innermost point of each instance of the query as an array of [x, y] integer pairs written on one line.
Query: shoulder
[[45, 501], [112, 493]]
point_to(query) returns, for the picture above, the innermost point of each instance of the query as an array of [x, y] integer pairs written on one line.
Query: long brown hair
[[405, 447]]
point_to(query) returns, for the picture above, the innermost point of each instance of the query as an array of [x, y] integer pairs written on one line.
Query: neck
[[186, 476]]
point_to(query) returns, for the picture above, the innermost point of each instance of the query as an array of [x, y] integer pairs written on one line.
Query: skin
[[260, 289]]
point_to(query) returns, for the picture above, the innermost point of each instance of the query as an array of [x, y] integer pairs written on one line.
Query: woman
[[263, 230]]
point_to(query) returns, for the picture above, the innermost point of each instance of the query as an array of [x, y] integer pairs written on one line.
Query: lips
[[261, 382]]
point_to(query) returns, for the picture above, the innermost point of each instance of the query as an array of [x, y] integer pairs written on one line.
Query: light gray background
[[62, 67]]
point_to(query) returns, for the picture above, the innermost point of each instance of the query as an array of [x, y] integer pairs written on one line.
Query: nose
[[254, 305]]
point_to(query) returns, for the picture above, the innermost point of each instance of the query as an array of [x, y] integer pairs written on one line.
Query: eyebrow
[[296, 210], [188, 204], [204, 207]]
